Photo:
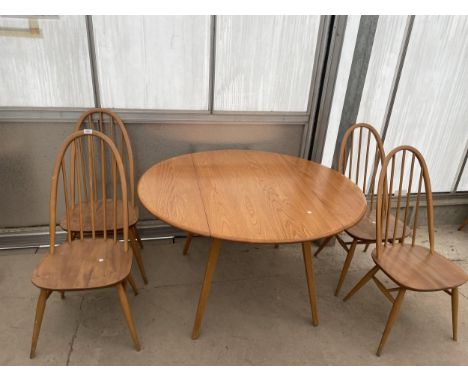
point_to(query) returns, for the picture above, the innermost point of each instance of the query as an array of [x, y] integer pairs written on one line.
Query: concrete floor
[[258, 312]]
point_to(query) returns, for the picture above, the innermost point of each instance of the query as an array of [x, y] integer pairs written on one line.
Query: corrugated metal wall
[[28, 150], [247, 81]]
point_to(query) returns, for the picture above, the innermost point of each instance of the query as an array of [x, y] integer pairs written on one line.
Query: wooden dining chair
[[361, 157], [94, 262], [409, 266], [109, 123]]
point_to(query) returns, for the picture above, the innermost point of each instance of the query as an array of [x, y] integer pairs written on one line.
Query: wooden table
[[254, 197]]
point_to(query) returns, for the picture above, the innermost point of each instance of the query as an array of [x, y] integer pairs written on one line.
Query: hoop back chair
[[94, 262], [109, 123], [410, 266], [361, 157]]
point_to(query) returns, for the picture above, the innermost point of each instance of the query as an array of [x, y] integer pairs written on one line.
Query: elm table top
[[251, 196]]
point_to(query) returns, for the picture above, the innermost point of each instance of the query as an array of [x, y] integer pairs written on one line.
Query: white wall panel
[[48, 68], [431, 106], [344, 68], [153, 62], [264, 63], [381, 70]]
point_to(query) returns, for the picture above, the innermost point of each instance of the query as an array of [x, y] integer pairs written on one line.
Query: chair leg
[[309, 268], [366, 247], [132, 284], [391, 319], [137, 255], [187, 243], [210, 267], [455, 313], [128, 315], [361, 283], [463, 225], [322, 245], [41, 303], [62, 295], [276, 245], [346, 264], [137, 235]]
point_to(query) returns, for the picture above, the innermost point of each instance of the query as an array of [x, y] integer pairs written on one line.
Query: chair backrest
[[82, 144], [361, 157], [107, 122], [404, 172]]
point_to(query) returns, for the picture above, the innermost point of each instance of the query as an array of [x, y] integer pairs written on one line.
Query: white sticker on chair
[[88, 131]]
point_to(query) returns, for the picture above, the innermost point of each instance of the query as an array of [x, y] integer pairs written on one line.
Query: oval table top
[[251, 196]]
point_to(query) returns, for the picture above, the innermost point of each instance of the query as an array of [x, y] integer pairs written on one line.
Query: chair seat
[[412, 267], [98, 216], [83, 264], [365, 229]]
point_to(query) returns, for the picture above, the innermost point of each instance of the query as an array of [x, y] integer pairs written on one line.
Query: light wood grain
[[83, 264], [391, 319], [415, 268], [251, 196], [344, 270], [365, 229], [128, 315], [103, 216], [209, 271], [187, 243], [455, 314], [309, 268], [40, 308], [169, 190]]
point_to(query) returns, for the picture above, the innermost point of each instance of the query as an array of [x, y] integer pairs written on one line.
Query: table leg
[[210, 267], [309, 268]]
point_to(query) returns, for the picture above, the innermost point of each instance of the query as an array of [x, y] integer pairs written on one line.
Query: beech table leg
[[210, 267], [309, 268], [454, 313], [187, 243]]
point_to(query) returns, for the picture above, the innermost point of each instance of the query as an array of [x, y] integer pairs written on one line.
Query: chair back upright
[[404, 173], [361, 157], [109, 123], [81, 150]]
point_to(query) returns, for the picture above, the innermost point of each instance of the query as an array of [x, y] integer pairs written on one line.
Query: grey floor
[[257, 314]]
